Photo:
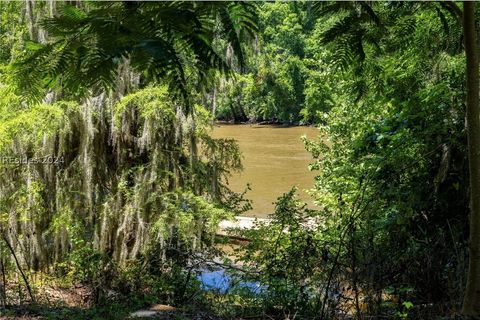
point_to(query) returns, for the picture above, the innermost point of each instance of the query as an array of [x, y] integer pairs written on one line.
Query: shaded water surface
[[274, 160]]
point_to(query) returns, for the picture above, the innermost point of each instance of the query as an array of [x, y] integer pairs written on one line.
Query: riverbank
[[264, 123], [207, 289]]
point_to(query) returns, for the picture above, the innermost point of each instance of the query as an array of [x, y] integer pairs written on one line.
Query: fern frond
[[160, 39]]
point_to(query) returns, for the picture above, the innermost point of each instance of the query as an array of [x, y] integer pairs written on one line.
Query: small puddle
[[221, 281]]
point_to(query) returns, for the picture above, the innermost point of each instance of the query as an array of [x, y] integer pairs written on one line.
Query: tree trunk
[[3, 289], [471, 302], [214, 102], [19, 267]]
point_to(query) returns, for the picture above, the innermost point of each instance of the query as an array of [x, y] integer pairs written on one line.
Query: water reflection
[[221, 281]]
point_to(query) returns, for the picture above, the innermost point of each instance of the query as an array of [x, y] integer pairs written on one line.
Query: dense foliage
[[390, 238], [110, 181], [103, 179], [286, 80]]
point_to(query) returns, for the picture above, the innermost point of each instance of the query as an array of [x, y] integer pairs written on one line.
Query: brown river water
[[274, 160]]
